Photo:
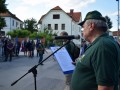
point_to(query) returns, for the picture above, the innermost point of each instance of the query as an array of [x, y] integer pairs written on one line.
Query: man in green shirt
[[98, 67]]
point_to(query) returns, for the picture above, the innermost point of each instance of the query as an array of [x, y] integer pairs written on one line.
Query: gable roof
[[56, 8], [9, 14], [74, 15]]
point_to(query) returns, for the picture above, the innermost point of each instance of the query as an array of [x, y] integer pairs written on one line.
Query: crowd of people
[[11, 48]]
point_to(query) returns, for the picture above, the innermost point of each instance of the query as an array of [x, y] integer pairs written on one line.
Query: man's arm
[[105, 87]]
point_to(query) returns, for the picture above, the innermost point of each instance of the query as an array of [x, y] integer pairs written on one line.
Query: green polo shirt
[[98, 66]]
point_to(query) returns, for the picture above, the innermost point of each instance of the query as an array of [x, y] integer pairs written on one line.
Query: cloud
[[35, 2], [70, 4], [22, 12], [39, 7], [64, 4], [115, 13]]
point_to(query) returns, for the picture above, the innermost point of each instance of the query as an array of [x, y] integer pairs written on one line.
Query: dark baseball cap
[[93, 15]]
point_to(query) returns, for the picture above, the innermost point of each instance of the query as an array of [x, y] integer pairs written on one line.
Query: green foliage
[[31, 25], [33, 35], [19, 33], [3, 7], [11, 34], [48, 34], [2, 23]]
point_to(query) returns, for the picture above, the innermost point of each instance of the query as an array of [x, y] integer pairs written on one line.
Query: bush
[[19, 33]]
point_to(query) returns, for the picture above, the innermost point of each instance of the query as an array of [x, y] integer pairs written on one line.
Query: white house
[[12, 21], [58, 20]]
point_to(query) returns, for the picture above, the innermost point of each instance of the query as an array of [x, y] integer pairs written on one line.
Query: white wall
[[64, 19], [70, 26], [10, 26]]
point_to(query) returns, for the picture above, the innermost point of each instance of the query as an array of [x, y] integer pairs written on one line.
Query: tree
[[3, 7], [109, 22], [31, 25], [2, 23]]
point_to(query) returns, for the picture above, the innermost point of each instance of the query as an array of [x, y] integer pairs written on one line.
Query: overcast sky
[[27, 9]]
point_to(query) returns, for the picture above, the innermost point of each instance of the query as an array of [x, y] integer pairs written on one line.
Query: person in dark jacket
[[41, 50], [17, 47], [9, 50], [37, 46]]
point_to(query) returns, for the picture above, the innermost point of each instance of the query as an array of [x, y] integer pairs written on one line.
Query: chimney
[[71, 11]]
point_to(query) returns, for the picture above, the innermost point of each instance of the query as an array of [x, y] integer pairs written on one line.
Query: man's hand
[[105, 87], [74, 63]]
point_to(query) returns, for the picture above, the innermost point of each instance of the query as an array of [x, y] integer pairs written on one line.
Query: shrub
[[19, 33]]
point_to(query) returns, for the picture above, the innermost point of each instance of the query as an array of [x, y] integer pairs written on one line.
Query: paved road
[[49, 76]]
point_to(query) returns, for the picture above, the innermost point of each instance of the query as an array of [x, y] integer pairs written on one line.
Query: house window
[[16, 24], [62, 26], [13, 22], [21, 25], [56, 26], [49, 26], [56, 16]]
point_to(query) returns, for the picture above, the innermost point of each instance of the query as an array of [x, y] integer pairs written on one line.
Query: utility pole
[[118, 18]]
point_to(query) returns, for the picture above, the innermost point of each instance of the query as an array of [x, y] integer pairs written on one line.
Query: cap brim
[[81, 23]]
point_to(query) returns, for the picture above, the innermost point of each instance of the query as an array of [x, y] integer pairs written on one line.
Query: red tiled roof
[[9, 14], [75, 15], [116, 33], [56, 8]]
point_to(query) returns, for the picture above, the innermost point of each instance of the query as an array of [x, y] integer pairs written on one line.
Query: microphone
[[69, 37]]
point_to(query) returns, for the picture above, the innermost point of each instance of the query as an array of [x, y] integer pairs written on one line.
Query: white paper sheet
[[64, 60]]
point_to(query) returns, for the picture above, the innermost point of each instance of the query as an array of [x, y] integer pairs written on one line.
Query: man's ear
[[92, 26]]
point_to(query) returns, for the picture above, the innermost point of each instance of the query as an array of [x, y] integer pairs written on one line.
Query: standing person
[[13, 42], [17, 47], [70, 49], [9, 50], [1, 44], [37, 45], [98, 67], [41, 49], [33, 48], [29, 47], [5, 46], [25, 47]]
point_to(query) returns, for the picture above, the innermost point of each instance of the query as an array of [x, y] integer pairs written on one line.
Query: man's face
[[86, 30]]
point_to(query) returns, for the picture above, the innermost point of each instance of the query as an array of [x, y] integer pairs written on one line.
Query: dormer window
[[56, 16]]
